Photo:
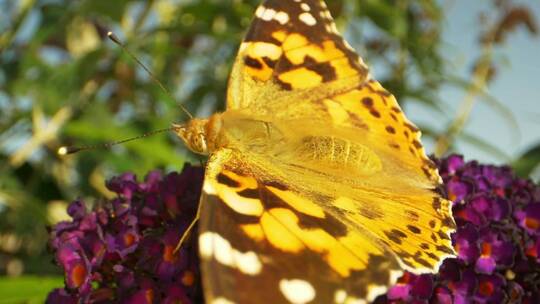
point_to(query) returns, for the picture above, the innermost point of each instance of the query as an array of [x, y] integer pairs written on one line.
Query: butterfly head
[[200, 135]]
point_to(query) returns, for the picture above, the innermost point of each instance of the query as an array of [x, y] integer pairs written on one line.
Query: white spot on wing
[[209, 188], [328, 15], [394, 276], [375, 291], [305, 7], [333, 28], [307, 18], [281, 17], [348, 45], [223, 252], [206, 240], [243, 47], [214, 245], [297, 291], [221, 300], [248, 262], [340, 296], [259, 12], [268, 14], [355, 301]]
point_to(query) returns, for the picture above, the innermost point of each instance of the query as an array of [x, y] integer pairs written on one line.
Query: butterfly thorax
[[317, 147], [231, 129]]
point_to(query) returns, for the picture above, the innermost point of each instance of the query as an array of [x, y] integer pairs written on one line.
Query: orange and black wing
[[260, 241], [291, 47]]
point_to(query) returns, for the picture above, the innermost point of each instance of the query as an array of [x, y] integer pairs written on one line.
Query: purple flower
[[61, 296], [490, 289], [458, 189], [125, 185], [496, 250], [123, 251], [529, 218], [466, 243]]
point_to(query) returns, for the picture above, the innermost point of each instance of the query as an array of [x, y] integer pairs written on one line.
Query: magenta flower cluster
[[497, 241], [122, 251]]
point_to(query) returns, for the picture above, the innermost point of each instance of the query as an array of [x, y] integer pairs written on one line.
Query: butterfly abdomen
[[339, 153]]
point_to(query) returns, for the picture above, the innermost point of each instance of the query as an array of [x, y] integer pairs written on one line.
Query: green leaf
[[27, 289], [386, 15], [528, 161]]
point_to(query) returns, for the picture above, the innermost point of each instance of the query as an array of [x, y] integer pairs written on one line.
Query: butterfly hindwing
[[255, 238]]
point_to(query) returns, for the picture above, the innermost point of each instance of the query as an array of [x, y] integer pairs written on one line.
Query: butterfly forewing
[[290, 46], [324, 194]]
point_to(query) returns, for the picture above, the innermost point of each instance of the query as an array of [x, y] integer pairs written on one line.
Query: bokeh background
[[465, 71]]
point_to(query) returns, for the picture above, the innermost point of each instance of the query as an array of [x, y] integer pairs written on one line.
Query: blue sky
[[517, 84]]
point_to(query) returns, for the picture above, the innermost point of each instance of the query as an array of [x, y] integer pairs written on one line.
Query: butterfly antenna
[[115, 39], [65, 150]]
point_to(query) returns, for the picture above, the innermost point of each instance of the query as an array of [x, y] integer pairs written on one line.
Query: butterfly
[[317, 188]]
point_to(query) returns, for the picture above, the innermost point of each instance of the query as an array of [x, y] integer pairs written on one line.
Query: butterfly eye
[[200, 143]]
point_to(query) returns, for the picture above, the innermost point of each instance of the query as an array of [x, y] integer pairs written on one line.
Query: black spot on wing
[[252, 63], [395, 236], [324, 69], [444, 249], [269, 62], [411, 127], [432, 256], [375, 113], [414, 229], [329, 223], [423, 262], [443, 235], [436, 204], [367, 102], [449, 223], [370, 212], [227, 181], [357, 121], [394, 145], [249, 193], [284, 85], [412, 215], [427, 173]]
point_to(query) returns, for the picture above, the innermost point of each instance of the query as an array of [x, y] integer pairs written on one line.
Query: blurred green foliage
[[62, 82], [35, 289]]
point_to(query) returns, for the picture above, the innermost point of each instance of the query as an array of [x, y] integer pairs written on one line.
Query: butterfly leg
[[188, 230]]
